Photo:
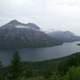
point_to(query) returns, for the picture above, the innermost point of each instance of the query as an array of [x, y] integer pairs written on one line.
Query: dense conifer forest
[[66, 68]]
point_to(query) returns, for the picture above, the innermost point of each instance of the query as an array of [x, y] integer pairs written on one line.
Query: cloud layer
[[49, 14]]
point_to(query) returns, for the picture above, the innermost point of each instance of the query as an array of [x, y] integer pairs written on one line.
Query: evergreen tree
[[28, 72], [16, 68], [2, 77], [47, 73]]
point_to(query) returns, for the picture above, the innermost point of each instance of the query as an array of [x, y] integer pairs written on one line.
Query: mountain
[[65, 36], [17, 24], [19, 35]]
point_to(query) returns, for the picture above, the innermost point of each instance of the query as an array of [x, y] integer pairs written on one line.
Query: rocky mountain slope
[[19, 35]]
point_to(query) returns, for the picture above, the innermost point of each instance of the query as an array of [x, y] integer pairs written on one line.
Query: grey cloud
[[49, 14]]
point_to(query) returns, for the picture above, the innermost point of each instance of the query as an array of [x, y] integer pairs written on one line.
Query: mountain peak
[[14, 22]]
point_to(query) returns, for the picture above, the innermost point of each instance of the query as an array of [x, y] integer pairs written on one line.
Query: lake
[[40, 54]]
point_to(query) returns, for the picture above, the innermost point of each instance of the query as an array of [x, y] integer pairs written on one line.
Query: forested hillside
[[56, 69]]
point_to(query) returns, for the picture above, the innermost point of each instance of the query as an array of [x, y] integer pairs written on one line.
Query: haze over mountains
[[19, 35], [64, 36]]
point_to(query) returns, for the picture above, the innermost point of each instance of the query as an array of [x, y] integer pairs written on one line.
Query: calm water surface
[[39, 54]]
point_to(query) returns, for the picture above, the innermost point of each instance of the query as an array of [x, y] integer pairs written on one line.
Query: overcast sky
[[48, 14]]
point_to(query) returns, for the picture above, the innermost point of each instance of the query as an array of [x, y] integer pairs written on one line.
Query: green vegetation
[[72, 74], [15, 68], [67, 68]]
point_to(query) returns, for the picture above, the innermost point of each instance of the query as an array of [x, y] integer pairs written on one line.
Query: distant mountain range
[[19, 35], [64, 36]]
